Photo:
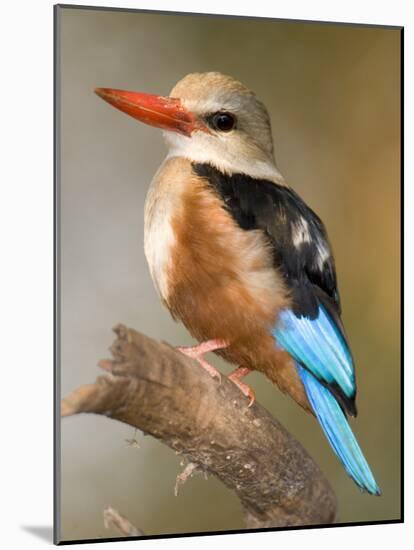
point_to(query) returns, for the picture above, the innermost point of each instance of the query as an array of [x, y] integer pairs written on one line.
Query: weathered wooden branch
[[153, 387], [112, 518]]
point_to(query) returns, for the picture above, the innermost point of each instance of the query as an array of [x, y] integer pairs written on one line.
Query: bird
[[240, 259]]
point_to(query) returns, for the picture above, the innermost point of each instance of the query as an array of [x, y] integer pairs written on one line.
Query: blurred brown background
[[333, 94]]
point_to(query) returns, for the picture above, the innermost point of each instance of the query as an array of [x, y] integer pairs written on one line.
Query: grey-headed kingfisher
[[240, 258]]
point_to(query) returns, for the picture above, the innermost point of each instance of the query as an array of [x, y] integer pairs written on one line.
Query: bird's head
[[208, 117]]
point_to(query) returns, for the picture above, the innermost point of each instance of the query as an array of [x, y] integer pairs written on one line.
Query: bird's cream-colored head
[[209, 118], [239, 136]]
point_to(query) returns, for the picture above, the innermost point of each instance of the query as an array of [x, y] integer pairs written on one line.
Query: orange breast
[[222, 283]]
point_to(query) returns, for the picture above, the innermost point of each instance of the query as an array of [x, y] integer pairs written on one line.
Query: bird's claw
[[244, 388], [247, 391]]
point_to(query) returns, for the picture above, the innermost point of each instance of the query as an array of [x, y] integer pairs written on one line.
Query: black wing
[[298, 237]]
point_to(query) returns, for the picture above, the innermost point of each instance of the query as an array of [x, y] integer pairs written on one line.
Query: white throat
[[201, 149]]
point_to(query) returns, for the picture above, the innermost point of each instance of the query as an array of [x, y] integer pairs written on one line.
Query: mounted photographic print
[[228, 194]]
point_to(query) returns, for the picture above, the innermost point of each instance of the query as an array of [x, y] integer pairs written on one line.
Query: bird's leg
[[236, 377], [197, 352]]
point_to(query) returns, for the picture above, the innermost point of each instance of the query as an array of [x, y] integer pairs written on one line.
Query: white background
[[26, 233]]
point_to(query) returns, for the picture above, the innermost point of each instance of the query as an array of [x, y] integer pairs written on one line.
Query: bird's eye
[[224, 122]]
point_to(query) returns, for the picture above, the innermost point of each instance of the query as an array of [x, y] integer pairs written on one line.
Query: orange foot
[[246, 390], [197, 352]]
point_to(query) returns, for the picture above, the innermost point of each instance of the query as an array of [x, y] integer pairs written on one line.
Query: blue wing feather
[[318, 344], [337, 430], [323, 361]]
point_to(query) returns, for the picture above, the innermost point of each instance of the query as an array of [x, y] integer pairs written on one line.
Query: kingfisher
[[238, 256]]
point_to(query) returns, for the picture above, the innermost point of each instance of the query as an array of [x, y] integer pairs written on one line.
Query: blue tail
[[337, 430]]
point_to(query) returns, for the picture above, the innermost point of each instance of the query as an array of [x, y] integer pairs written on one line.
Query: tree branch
[[112, 518], [151, 386]]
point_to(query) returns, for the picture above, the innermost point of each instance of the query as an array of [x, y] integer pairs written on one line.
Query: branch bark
[[151, 386], [112, 518]]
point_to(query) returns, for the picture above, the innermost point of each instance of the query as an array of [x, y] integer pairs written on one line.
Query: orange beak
[[162, 112]]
